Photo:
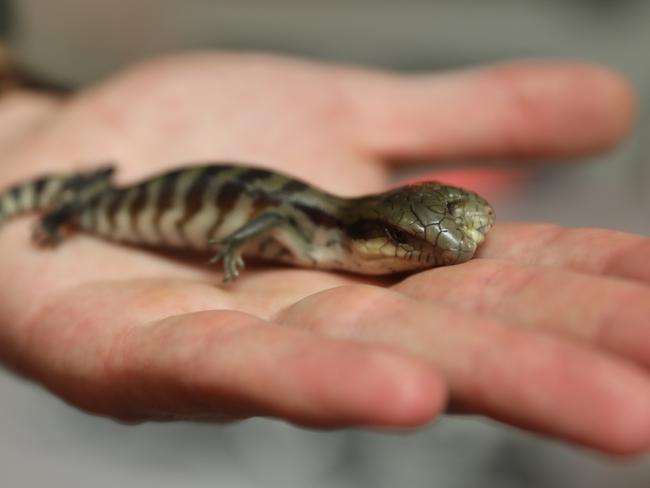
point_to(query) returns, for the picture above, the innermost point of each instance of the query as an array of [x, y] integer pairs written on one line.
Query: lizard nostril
[[453, 207]]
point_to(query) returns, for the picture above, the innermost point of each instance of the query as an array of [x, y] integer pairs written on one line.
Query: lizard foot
[[233, 263], [45, 236]]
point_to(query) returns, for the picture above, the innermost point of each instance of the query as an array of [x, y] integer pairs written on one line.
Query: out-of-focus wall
[[81, 40]]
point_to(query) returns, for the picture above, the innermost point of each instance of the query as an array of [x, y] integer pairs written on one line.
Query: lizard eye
[[397, 236]]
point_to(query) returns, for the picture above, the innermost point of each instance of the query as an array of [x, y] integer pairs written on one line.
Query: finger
[[516, 109], [210, 363], [597, 251], [527, 379], [610, 313]]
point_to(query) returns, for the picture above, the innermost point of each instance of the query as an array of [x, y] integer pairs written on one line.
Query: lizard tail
[[51, 191]]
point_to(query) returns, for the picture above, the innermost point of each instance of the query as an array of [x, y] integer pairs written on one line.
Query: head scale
[[418, 226]]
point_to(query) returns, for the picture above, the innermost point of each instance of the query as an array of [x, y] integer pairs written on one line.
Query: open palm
[[545, 330]]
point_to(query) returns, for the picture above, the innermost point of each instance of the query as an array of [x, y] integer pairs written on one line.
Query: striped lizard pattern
[[244, 211]]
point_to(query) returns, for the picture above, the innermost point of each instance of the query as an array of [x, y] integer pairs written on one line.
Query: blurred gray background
[[46, 443]]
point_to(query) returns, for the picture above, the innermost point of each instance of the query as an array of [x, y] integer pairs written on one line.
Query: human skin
[[547, 329]]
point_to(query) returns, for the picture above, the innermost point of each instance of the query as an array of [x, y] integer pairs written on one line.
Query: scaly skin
[[263, 214]]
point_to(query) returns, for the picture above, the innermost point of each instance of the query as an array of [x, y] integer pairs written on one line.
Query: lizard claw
[[233, 263]]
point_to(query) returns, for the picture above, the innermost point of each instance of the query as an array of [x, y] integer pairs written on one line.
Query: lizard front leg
[[232, 246]]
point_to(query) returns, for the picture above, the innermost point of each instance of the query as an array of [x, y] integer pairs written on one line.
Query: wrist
[[8, 76], [22, 105], [13, 77]]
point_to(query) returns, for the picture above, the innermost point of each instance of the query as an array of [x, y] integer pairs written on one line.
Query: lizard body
[[256, 212]]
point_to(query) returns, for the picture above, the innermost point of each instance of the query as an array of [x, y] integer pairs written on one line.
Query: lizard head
[[417, 226]]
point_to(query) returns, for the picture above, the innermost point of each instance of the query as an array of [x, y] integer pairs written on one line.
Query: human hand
[[138, 335]]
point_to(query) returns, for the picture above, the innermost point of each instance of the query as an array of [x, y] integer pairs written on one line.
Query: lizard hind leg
[[48, 229], [77, 191]]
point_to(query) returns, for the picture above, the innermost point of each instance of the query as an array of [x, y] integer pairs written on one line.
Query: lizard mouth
[[476, 221]]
